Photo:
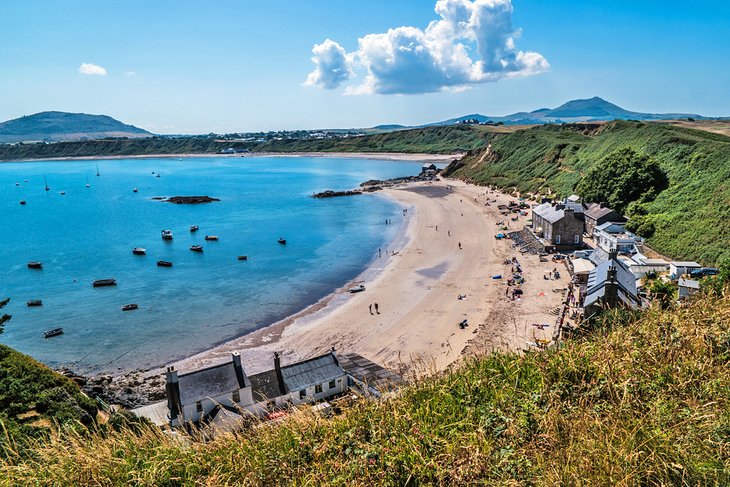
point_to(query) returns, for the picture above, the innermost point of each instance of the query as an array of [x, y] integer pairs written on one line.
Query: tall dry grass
[[638, 401]]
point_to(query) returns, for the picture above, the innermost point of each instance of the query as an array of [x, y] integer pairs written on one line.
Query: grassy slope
[[426, 140], [33, 397], [690, 216], [637, 402]]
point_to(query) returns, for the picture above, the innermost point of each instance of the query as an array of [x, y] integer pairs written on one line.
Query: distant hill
[[63, 126], [589, 110]]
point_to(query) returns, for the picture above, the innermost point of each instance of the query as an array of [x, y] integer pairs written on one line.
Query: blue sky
[[195, 67]]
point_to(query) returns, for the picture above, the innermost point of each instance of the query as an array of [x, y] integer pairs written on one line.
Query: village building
[[597, 214], [611, 284], [687, 287], [429, 170], [581, 270], [678, 269], [222, 393], [558, 226], [613, 236]]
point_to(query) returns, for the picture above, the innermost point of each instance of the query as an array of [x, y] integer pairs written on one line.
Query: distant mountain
[[588, 110], [63, 126]]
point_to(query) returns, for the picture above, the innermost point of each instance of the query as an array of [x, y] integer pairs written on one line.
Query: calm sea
[[205, 298]]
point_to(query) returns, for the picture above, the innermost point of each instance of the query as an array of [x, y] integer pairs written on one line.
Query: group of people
[[374, 305]]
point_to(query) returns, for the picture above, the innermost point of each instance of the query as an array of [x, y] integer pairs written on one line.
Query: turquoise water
[[203, 300]]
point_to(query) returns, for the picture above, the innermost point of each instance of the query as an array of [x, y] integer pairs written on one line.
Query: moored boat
[[34, 302], [243, 257], [167, 235], [211, 237], [139, 251], [35, 265], [164, 263], [104, 282], [282, 241], [134, 190], [22, 202], [194, 228], [196, 248], [52, 333], [129, 307]]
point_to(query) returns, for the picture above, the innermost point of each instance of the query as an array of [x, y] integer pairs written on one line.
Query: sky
[[180, 66]]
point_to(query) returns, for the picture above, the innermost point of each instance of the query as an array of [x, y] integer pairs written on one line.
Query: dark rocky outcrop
[[190, 200]]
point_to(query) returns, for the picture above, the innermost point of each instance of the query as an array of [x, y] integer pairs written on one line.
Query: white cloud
[[130, 73], [332, 66], [473, 42], [92, 69]]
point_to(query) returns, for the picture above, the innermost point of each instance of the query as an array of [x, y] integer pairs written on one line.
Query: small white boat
[[167, 235], [139, 251], [211, 237], [357, 289], [134, 190], [194, 228]]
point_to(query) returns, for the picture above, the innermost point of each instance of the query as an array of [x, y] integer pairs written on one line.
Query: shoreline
[[418, 290], [387, 156]]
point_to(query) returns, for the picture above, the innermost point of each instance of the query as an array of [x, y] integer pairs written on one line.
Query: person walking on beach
[[449, 233], [437, 228], [459, 245], [370, 307], [379, 252], [376, 308]]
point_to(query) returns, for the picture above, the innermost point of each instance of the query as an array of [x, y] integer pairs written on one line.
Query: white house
[[225, 388], [678, 269], [687, 287], [613, 236]]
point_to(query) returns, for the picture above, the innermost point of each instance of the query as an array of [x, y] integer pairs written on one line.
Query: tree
[[663, 292], [621, 178]]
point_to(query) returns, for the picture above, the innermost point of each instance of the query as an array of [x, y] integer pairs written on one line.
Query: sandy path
[[417, 293]]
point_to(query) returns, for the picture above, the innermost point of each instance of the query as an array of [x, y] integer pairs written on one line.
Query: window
[[302, 394], [318, 389], [236, 396], [332, 384], [557, 239], [199, 406], [576, 238]]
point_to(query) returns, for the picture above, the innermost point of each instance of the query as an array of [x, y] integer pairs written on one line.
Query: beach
[[446, 250]]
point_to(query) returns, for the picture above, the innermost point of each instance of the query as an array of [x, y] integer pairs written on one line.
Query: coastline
[[388, 156], [417, 290]]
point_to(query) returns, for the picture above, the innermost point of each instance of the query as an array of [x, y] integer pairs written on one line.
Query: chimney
[[172, 391], [239, 369], [279, 376], [613, 255], [611, 294], [335, 356]]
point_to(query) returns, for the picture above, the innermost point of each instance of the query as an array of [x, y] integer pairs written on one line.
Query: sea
[[205, 298]]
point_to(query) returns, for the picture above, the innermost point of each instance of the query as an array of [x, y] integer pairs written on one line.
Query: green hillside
[[34, 400], [689, 218], [55, 126], [637, 401], [432, 140]]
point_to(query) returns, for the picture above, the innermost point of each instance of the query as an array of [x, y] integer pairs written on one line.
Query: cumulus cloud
[[473, 42], [332, 66], [92, 69]]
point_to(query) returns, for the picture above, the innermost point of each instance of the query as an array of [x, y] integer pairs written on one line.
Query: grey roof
[[549, 212], [311, 372], [597, 212], [210, 382], [264, 386], [605, 226], [598, 256], [624, 277], [689, 283], [369, 372], [685, 264]]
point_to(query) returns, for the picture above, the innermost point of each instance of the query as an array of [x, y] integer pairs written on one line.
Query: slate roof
[[210, 382], [264, 386], [317, 370], [624, 277], [685, 264], [596, 212], [605, 226], [689, 283], [549, 212], [598, 256]]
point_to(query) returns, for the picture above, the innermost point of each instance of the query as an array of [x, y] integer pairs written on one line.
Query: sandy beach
[[447, 248]]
